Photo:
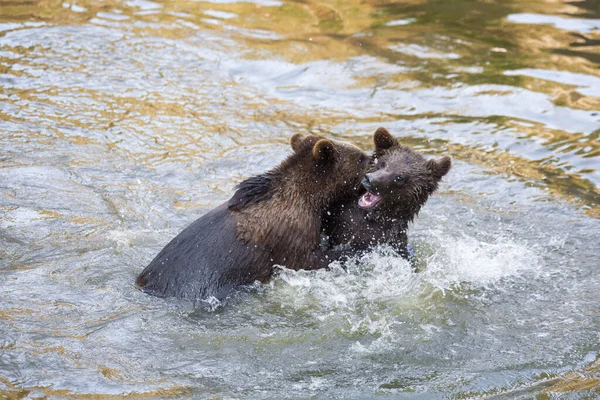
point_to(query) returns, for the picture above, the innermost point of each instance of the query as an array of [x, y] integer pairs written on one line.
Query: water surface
[[123, 121]]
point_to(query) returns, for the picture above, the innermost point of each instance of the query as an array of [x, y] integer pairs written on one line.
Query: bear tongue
[[368, 200]]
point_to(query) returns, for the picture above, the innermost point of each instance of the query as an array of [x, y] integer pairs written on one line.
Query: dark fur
[[404, 180], [252, 190], [273, 218]]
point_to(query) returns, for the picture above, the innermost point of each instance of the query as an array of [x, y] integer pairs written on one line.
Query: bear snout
[[377, 181], [366, 182]]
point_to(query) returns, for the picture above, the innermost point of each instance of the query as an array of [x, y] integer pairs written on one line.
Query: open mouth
[[368, 200]]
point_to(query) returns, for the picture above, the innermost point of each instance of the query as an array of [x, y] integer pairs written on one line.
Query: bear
[[272, 219], [399, 182]]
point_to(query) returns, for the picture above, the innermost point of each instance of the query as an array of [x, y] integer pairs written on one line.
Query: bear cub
[[399, 182], [273, 218]]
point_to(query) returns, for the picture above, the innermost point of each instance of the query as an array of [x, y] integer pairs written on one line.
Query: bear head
[[331, 167], [400, 179], [320, 171]]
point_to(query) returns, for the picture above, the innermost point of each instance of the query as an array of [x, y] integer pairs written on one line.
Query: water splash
[[381, 302], [382, 275], [466, 260]]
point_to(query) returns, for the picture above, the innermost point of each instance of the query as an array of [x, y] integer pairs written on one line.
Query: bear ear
[[324, 150], [300, 141], [439, 167], [383, 139]]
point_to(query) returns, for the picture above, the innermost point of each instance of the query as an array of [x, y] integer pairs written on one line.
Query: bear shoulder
[[252, 190]]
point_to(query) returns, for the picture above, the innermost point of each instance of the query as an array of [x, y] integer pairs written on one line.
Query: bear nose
[[366, 182]]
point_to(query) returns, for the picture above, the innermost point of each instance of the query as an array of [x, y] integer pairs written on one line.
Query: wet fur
[[348, 225], [272, 219]]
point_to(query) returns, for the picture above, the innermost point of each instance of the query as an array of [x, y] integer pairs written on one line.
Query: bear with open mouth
[[399, 182]]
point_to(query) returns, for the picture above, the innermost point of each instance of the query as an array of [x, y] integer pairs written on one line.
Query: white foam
[[382, 275], [376, 276], [372, 294], [467, 260]]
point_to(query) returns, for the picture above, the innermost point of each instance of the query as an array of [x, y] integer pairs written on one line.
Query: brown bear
[[399, 182], [272, 219]]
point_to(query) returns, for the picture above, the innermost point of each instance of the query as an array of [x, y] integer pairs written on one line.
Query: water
[[123, 121]]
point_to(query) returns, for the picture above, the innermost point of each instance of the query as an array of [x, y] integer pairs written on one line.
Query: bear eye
[[400, 180]]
